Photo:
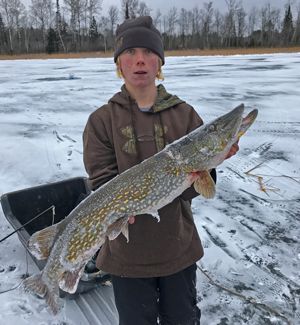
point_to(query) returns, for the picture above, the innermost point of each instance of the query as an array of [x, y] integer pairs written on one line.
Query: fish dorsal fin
[[41, 242], [35, 283], [117, 227], [205, 185], [69, 279]]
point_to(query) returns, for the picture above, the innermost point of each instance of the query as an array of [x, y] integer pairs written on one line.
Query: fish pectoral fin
[[125, 232], [205, 185], [117, 227], [36, 284], [69, 279], [41, 242]]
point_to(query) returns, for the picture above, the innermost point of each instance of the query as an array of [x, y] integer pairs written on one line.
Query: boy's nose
[[140, 56]]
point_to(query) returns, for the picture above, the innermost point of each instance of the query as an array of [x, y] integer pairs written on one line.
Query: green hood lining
[[164, 99]]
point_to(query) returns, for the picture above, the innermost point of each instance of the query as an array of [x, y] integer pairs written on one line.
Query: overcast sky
[[165, 5]]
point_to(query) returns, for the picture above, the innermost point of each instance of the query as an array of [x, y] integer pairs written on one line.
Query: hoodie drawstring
[[163, 129], [138, 154]]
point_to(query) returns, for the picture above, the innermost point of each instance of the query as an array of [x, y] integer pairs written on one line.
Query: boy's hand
[[131, 220], [233, 150]]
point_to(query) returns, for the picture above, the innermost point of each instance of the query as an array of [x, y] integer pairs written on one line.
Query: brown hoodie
[[110, 147]]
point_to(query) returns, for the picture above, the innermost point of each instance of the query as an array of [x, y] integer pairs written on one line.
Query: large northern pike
[[144, 188]]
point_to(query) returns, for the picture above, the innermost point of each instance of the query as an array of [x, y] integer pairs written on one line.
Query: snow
[[251, 238]]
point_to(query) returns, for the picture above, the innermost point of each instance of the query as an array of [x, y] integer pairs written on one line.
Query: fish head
[[208, 146]]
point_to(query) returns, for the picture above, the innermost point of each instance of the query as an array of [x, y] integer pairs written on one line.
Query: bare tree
[[76, 10], [5, 9], [42, 14], [232, 6], [3, 38], [269, 20], [25, 23], [273, 25], [183, 27], [207, 14], [196, 20], [113, 14], [94, 8], [217, 28], [157, 19], [17, 10], [143, 9], [104, 30], [241, 25], [296, 35], [172, 19], [252, 20], [58, 26]]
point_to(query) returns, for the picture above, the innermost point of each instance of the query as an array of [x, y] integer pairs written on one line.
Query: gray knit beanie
[[139, 32]]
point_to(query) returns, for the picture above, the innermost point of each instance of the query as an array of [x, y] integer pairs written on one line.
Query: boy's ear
[[118, 63]]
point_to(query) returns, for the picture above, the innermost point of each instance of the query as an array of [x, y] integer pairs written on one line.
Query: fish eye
[[212, 128]]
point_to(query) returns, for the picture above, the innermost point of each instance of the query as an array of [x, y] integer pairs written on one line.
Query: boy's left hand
[[233, 150]]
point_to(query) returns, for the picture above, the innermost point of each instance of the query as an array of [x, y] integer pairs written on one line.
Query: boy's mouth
[[140, 72]]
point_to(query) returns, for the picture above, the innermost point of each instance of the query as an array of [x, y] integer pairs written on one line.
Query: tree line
[[54, 26]]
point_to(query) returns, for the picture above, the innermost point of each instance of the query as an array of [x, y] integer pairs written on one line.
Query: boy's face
[[139, 66]]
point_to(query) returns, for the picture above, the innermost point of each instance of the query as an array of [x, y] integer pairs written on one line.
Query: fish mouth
[[232, 120], [247, 122]]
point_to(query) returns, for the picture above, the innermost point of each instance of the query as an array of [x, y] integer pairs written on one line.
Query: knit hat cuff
[[139, 37]]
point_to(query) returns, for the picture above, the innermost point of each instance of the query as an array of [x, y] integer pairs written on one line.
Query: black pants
[[169, 300]]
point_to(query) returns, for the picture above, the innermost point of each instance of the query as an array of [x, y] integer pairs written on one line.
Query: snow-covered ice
[[251, 238]]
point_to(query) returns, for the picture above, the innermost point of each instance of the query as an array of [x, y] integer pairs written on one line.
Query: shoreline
[[214, 52]]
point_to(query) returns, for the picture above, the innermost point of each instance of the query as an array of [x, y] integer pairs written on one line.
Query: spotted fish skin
[[144, 188]]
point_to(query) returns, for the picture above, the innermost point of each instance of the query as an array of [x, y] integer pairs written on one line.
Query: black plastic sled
[[21, 206]]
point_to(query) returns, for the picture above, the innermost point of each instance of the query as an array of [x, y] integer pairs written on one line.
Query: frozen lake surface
[[251, 237]]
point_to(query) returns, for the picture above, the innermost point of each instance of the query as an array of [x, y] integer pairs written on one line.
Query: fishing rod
[[52, 207]]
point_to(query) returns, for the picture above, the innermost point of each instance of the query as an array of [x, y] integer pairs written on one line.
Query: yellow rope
[[250, 299]]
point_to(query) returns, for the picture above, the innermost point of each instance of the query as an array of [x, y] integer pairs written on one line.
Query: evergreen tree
[[127, 11], [93, 30], [52, 44], [3, 38], [287, 28]]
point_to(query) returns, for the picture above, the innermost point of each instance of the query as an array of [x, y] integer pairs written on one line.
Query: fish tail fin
[[41, 242], [36, 284]]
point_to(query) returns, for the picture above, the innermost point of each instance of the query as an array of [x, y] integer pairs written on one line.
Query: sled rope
[[249, 299], [26, 248], [53, 214]]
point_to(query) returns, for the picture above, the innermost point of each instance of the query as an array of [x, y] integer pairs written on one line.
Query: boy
[[154, 275]]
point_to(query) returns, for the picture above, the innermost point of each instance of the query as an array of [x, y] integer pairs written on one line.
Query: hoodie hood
[[164, 99]]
